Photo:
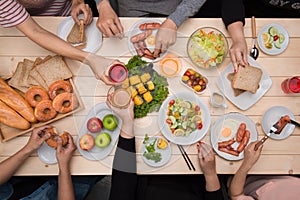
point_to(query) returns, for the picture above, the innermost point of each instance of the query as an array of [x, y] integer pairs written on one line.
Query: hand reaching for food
[[36, 139], [165, 37], [79, 8], [108, 22], [251, 156]]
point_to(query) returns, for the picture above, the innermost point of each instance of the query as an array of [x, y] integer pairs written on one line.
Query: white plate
[[196, 135], [245, 100], [96, 153], [274, 50], [47, 154], [94, 36], [271, 116], [135, 30], [217, 128], [165, 153]]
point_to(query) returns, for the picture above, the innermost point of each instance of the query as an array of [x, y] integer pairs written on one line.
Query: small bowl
[[194, 81], [207, 47], [170, 65]]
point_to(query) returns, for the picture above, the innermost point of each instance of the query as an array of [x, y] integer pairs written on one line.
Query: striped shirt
[[12, 13]]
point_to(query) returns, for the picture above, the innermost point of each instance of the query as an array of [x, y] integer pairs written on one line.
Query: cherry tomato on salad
[[275, 37], [172, 102], [168, 121], [197, 108], [200, 125]]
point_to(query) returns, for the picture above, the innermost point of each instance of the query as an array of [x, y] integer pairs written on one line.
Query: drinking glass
[[119, 97], [291, 85]]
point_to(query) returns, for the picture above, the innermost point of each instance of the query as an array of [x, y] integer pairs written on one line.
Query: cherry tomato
[[200, 126], [275, 37], [187, 73], [197, 108], [168, 121], [172, 102]]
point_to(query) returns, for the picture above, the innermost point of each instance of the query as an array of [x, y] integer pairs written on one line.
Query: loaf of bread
[[247, 78], [14, 100], [11, 118]]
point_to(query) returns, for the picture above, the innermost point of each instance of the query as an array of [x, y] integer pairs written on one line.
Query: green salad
[[136, 66], [150, 153], [207, 49]]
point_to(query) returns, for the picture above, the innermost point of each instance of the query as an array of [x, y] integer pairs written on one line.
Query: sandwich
[[247, 78], [77, 36]]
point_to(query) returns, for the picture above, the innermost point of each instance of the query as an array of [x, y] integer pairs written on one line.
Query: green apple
[[110, 122], [102, 140]]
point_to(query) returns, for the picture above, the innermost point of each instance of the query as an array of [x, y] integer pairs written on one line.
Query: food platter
[[134, 30], [100, 110], [94, 36], [245, 100], [273, 49], [271, 116], [233, 121], [165, 153], [194, 136]]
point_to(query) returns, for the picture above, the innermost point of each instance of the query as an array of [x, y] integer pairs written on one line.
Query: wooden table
[[278, 157]]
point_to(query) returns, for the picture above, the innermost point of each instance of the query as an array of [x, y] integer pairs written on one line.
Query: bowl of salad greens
[[207, 47]]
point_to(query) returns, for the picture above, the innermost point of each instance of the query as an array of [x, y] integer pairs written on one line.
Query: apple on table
[[102, 140], [94, 125], [110, 122], [86, 142]]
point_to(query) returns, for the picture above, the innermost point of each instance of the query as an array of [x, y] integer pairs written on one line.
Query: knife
[[295, 123], [273, 129]]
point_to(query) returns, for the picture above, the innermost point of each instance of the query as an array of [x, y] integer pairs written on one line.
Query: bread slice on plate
[[236, 92], [77, 36], [247, 78], [53, 69]]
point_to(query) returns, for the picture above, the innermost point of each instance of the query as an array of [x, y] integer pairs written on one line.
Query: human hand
[[238, 54], [100, 67], [206, 159], [165, 37], [251, 156], [108, 22], [78, 8], [36, 139], [127, 116], [64, 154]]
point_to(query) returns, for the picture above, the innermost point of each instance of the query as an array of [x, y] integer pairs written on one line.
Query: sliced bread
[[247, 78], [27, 66], [236, 92], [77, 34]]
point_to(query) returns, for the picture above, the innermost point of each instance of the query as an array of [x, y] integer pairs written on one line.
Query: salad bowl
[[207, 47]]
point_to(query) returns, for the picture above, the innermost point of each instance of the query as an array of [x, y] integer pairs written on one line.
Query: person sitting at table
[[175, 11], [127, 185], [13, 14], [16, 188], [261, 187]]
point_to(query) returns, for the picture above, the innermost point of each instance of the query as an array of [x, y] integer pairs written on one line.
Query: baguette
[[14, 100], [11, 118]]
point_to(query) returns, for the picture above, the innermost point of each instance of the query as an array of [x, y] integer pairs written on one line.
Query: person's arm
[[78, 7], [12, 164], [236, 188], [64, 155], [108, 22], [208, 166]]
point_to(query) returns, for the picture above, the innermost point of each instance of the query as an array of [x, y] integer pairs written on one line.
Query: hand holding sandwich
[[79, 7]]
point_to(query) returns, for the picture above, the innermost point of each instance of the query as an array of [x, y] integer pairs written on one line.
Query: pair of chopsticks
[[186, 158]]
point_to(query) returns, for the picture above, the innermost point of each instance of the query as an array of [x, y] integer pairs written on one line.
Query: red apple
[[86, 142], [94, 125]]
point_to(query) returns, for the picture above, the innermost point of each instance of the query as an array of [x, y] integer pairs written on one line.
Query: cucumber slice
[[273, 31], [281, 38], [277, 44]]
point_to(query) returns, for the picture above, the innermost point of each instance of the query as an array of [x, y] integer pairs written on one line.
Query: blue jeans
[[48, 191]]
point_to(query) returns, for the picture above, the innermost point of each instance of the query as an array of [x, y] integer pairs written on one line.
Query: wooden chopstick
[[186, 158]]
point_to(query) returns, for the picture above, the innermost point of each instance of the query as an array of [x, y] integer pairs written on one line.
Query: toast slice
[[77, 36], [27, 66], [14, 81], [53, 69], [236, 92], [247, 78]]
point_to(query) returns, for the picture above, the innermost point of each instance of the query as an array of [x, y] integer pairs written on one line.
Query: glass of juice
[[119, 97], [118, 73], [291, 85]]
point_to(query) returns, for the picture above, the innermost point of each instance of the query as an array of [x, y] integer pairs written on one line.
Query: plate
[[96, 153], [235, 118], [47, 154], [245, 100], [273, 50], [271, 116], [94, 36], [135, 30], [196, 135], [165, 153]]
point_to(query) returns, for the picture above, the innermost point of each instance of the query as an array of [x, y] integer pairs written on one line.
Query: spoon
[[254, 51]]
